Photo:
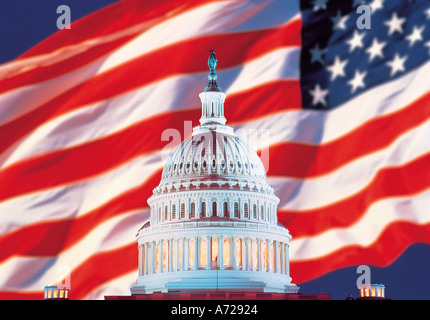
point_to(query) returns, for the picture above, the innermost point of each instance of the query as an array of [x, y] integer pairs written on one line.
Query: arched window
[[214, 208], [193, 210], [203, 209], [262, 212], [225, 209], [254, 211], [182, 210], [165, 213], [245, 210], [174, 211], [236, 210], [159, 215]]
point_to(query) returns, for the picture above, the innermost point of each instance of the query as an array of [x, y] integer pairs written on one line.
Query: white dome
[[213, 220]]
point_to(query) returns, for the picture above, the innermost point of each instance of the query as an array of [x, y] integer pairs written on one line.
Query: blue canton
[[341, 58]]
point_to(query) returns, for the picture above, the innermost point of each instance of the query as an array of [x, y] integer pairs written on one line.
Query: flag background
[[29, 22]]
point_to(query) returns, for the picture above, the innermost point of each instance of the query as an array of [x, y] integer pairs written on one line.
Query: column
[[268, 255], [247, 253], [153, 260], [160, 258], [208, 253], [196, 245], [259, 267], [186, 253], [170, 263], [140, 259], [233, 252], [183, 255], [278, 257], [221, 253], [146, 258]]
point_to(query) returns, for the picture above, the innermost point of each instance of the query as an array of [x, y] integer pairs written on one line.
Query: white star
[[397, 64], [376, 5], [427, 13], [358, 81], [319, 4], [356, 41], [395, 24], [318, 95], [376, 49], [317, 54], [416, 35], [339, 21], [337, 68], [428, 45]]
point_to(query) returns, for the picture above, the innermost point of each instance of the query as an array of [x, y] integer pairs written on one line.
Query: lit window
[[264, 255], [238, 252], [214, 252], [191, 253], [165, 255], [157, 258], [203, 252], [226, 252]]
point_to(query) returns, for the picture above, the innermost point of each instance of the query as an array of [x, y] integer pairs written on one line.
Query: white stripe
[[303, 194], [76, 199], [110, 116], [364, 233], [33, 273], [116, 287]]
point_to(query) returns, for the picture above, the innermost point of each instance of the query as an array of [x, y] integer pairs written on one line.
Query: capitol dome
[[213, 222]]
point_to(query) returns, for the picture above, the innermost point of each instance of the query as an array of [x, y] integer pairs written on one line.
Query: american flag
[[82, 116]]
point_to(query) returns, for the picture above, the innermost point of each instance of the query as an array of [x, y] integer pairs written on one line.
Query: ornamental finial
[[212, 62]]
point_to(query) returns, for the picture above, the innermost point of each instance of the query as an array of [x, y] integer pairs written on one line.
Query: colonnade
[[213, 252]]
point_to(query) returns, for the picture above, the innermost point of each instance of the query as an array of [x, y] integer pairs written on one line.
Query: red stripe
[[83, 161], [37, 239], [20, 295], [129, 76], [385, 250], [406, 180], [303, 161], [101, 268]]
